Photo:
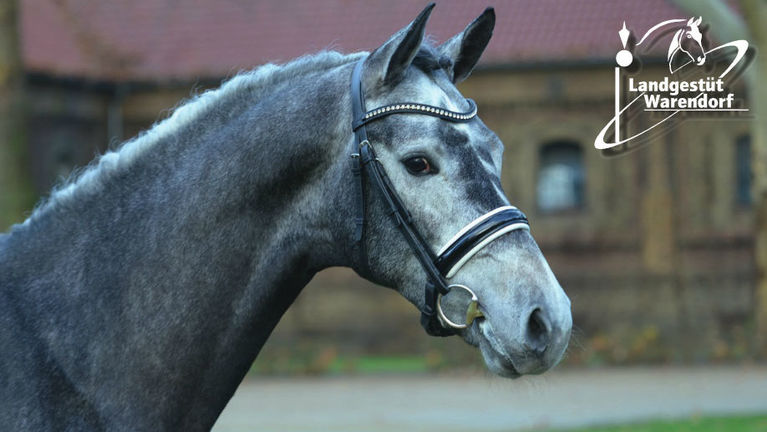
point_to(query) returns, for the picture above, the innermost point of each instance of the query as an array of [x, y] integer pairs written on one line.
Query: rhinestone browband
[[417, 108]]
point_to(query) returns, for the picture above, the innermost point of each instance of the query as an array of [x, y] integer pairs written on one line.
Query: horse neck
[[675, 44], [194, 253]]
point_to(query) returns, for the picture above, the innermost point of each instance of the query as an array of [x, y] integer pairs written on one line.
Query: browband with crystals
[[418, 108]]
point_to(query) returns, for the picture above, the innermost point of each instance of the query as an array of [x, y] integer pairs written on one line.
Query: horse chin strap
[[467, 242]]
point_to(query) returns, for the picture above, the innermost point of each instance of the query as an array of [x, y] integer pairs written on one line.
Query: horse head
[[689, 40], [448, 175]]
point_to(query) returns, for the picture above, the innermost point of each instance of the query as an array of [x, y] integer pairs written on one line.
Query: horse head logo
[[689, 41]]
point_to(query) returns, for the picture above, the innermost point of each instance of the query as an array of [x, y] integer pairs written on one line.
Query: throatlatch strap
[[355, 162]]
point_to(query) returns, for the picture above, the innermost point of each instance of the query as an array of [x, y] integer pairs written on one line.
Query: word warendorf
[[666, 94]]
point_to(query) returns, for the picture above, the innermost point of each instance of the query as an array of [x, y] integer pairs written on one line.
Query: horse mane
[[185, 113], [674, 44]]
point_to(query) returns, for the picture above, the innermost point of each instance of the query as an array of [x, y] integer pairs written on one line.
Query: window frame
[[581, 194]]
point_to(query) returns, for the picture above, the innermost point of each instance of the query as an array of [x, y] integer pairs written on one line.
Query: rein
[[467, 242]]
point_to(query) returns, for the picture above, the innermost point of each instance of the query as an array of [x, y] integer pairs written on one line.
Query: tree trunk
[[727, 26], [755, 13], [16, 192]]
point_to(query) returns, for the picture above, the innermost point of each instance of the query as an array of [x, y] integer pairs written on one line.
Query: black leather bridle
[[466, 243]]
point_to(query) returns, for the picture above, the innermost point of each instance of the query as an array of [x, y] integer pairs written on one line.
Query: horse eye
[[418, 165], [689, 36]]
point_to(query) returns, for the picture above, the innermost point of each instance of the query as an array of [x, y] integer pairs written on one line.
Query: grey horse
[[139, 293]]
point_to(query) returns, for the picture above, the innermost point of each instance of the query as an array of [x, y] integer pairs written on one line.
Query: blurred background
[[663, 251]]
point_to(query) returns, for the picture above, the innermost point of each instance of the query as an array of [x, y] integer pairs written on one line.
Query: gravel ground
[[480, 403]]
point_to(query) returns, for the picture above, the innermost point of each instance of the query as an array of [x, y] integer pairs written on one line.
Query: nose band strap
[[478, 234]]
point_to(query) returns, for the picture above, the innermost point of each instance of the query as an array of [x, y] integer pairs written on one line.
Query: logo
[[697, 83]]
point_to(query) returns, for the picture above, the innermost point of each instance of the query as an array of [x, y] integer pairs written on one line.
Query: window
[[743, 170], [561, 177]]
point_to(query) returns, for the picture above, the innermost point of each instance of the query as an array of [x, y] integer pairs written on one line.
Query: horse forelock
[[429, 59], [186, 113]]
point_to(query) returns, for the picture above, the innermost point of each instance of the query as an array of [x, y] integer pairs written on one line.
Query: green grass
[[696, 424]]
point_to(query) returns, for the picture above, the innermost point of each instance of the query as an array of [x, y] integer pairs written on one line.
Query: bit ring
[[472, 312]]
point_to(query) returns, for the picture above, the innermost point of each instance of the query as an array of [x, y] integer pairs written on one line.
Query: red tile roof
[[186, 40]]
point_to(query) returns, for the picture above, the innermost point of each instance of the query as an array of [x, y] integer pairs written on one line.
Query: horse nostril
[[538, 330]]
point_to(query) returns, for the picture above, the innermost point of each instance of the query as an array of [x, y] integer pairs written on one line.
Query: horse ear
[[690, 21], [388, 63], [697, 21], [465, 48]]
